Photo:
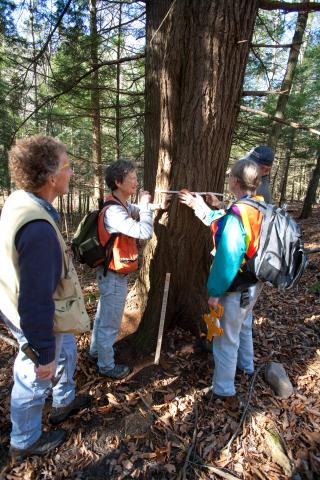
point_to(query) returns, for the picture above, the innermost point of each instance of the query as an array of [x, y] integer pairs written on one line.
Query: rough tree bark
[[312, 190], [195, 63]]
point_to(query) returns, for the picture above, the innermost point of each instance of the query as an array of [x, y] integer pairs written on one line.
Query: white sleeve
[[135, 209], [118, 220], [202, 211]]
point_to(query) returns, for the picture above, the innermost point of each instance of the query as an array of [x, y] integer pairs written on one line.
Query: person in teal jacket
[[228, 284]]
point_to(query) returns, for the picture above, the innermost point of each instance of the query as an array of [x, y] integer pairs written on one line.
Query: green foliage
[[54, 94], [315, 288]]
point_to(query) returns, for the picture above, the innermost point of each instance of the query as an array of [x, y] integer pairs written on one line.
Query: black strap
[[107, 203], [109, 252]]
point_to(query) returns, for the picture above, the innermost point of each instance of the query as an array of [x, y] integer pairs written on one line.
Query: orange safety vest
[[124, 255], [251, 219]]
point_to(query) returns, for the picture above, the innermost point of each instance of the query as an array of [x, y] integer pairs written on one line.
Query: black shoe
[[47, 442], [116, 373], [208, 395], [93, 357], [231, 402], [243, 372], [60, 414]]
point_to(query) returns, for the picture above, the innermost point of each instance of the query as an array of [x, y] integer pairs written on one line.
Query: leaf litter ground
[[157, 425]]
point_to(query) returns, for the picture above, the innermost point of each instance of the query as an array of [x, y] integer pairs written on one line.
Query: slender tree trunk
[[95, 103], [195, 62], [118, 104], [288, 78], [311, 191], [285, 170], [301, 178], [274, 178], [293, 182], [34, 64]]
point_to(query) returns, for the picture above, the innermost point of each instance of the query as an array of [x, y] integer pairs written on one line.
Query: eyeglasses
[[66, 165]]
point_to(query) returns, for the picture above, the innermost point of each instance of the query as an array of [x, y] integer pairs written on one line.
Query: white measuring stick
[[162, 317], [158, 190]]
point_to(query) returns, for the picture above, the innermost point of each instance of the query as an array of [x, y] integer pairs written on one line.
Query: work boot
[[232, 403], [47, 442], [243, 372], [93, 356], [60, 414], [208, 395], [116, 373]]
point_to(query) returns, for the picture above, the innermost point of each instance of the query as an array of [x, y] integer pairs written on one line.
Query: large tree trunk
[[312, 190], [288, 78], [195, 63]]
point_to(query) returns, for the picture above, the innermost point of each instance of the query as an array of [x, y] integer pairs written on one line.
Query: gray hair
[[33, 159], [247, 173]]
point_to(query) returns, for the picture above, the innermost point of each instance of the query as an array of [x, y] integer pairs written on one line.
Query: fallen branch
[[183, 472], [312, 250], [160, 420], [218, 471], [245, 411], [274, 444], [279, 120]]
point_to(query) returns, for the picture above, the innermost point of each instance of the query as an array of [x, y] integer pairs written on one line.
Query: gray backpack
[[280, 260]]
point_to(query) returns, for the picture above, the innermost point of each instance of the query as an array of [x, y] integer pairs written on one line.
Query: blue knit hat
[[262, 155]]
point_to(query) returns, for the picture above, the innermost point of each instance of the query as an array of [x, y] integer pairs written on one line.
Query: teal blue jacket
[[230, 251]]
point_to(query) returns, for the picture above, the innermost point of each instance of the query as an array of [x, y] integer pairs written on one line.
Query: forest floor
[[156, 425]]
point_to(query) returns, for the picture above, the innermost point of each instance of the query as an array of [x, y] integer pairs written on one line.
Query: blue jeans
[[235, 347], [29, 393], [113, 291]]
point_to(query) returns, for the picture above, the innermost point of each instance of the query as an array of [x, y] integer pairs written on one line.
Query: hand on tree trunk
[[189, 199], [144, 198], [213, 201]]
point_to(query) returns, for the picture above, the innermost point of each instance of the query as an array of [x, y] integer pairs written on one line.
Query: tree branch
[[279, 120], [288, 7], [44, 47], [262, 65], [277, 45], [262, 93], [74, 84]]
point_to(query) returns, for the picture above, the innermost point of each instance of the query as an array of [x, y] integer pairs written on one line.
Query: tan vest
[[70, 313]]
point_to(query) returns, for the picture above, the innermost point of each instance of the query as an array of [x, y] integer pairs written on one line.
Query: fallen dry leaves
[[156, 425]]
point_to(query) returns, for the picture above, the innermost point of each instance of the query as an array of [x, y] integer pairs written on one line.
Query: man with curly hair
[[40, 296]]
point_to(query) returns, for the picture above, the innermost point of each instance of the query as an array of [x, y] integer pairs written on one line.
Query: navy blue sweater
[[40, 264]]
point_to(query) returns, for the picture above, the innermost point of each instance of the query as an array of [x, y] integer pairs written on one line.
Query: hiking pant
[[235, 347], [113, 291], [29, 393]]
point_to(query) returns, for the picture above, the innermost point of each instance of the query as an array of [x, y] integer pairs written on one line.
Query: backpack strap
[[113, 236], [261, 207], [269, 215], [258, 204]]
